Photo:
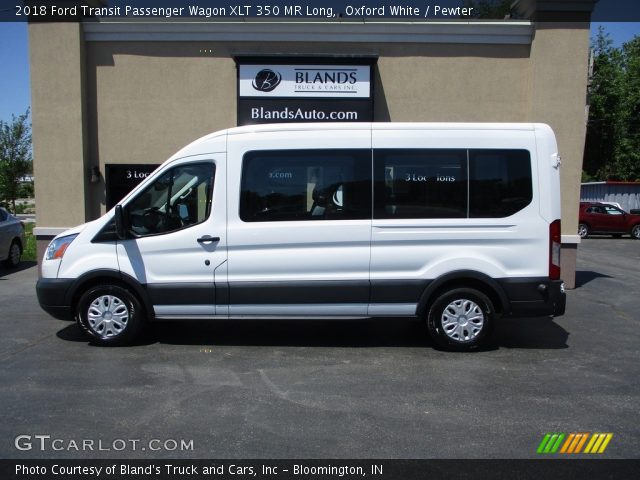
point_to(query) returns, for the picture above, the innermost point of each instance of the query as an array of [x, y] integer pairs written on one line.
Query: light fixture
[[95, 174]]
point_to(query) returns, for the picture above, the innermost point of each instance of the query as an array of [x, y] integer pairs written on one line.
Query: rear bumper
[[52, 296], [534, 297]]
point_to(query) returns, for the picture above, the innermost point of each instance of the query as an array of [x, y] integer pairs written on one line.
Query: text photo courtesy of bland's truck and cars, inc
[[353, 11], [231, 469]]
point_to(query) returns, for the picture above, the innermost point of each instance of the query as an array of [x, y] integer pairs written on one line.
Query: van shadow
[[537, 333], [24, 265]]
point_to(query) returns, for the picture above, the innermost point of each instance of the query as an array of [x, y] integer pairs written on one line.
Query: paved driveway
[[328, 389]]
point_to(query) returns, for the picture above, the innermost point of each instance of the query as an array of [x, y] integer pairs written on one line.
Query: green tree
[[612, 150], [627, 160], [15, 155]]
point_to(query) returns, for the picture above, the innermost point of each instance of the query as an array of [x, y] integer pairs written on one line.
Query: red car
[[604, 218]]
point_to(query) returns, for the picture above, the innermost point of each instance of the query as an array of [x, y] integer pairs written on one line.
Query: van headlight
[[58, 246]]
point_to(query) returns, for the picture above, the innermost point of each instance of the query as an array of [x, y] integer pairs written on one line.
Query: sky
[[15, 95]]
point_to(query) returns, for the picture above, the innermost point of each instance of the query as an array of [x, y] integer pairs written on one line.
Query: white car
[[455, 224], [12, 240]]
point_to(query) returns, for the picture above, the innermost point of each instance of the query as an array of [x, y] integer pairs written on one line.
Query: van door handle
[[208, 239]]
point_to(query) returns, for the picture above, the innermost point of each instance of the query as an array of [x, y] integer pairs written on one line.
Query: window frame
[[609, 208], [470, 154], [379, 167], [210, 163], [379, 181], [358, 155]]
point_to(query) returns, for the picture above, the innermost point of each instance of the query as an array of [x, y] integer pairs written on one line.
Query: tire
[[110, 315], [635, 232], [15, 252], [461, 319], [583, 230]]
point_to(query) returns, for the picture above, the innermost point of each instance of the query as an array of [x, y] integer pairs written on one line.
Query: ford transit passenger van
[[456, 224]]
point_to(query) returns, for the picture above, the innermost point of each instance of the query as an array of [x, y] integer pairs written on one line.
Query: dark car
[[11, 239], [605, 218]]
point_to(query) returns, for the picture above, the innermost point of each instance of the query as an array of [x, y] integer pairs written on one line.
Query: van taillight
[[554, 250]]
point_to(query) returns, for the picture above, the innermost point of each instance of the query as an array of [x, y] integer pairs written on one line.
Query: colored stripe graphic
[[566, 445], [573, 443], [581, 443], [543, 443], [550, 443], [598, 443]]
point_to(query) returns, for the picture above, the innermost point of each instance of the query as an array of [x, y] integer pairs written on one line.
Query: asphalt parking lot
[[329, 389]]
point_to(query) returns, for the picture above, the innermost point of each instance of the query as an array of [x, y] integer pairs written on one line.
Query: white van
[[456, 224]]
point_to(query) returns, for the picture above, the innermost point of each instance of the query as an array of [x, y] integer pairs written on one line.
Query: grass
[[25, 208], [30, 251]]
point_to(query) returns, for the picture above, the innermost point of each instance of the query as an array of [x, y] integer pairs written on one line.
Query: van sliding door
[[300, 232]]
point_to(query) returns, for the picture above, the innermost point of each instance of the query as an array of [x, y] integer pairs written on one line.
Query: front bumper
[[52, 296]]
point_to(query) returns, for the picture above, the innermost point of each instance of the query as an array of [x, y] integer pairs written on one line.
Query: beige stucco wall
[[559, 74], [146, 101], [455, 83], [59, 134]]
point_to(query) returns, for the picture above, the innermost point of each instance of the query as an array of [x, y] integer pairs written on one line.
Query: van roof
[[311, 126], [279, 127]]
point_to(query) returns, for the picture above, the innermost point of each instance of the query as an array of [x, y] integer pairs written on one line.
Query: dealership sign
[[305, 81], [278, 92]]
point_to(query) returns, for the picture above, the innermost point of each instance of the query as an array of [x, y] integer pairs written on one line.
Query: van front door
[[178, 244]]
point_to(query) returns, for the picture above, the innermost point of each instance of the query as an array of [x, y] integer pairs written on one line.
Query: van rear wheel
[[110, 315], [460, 319]]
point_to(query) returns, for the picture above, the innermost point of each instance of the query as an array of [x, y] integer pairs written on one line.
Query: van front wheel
[[460, 319], [109, 315]]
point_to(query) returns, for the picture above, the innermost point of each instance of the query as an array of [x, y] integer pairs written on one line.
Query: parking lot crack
[[615, 309], [273, 387], [4, 356]]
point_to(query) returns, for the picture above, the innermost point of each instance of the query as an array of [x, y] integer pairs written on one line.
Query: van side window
[[499, 182], [440, 183], [420, 183], [297, 185], [180, 198]]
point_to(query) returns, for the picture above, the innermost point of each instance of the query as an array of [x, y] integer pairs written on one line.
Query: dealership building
[[113, 98]]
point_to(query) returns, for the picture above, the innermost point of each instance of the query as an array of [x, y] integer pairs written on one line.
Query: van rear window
[[428, 183], [500, 182], [297, 185]]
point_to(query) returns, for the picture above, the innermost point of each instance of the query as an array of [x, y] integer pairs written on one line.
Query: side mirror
[[121, 230]]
